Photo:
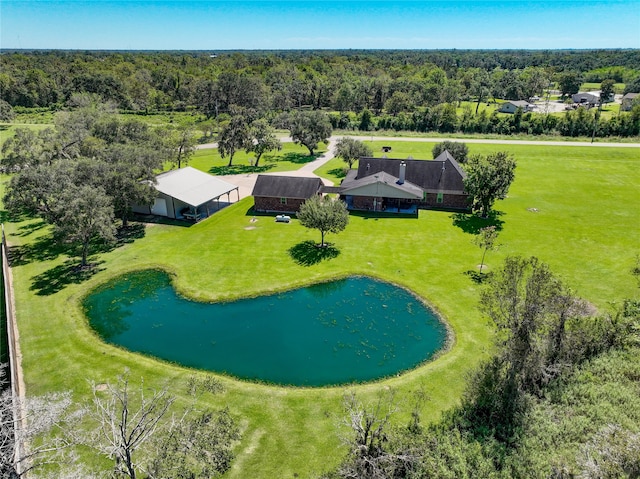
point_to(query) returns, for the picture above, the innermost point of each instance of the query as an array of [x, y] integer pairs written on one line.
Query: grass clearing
[[576, 208], [7, 130], [488, 105], [609, 110], [595, 86], [34, 116], [291, 157]]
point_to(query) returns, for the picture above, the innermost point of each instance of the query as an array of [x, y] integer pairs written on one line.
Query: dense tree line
[[409, 90], [443, 119], [359, 78], [93, 167]]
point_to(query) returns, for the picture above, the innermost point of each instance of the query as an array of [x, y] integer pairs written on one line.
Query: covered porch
[[381, 204], [382, 193], [197, 213]]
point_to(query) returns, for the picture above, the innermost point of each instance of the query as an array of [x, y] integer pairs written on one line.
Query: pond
[[351, 330]]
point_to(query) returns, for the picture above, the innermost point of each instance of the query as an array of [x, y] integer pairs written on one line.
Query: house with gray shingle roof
[[395, 185], [283, 194]]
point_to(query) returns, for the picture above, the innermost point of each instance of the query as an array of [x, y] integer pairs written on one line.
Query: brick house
[[404, 186], [283, 194]]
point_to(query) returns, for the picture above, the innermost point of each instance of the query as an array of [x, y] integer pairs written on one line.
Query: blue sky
[[214, 25]]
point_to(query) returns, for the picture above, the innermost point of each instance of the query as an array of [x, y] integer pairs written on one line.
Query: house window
[[440, 198], [283, 201], [424, 196]]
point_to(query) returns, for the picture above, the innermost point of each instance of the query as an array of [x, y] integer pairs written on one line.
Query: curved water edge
[[351, 330]]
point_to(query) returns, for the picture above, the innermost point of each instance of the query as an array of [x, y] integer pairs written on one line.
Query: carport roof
[[192, 186]]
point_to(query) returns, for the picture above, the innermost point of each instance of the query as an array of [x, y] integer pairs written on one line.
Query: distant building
[[513, 105], [627, 101], [590, 97]]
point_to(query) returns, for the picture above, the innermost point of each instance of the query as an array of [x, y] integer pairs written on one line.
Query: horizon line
[[210, 50]]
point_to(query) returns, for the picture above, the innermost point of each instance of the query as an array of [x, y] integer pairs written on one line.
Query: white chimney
[[403, 172]]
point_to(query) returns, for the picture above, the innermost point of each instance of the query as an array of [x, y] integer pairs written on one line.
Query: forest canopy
[[364, 89]]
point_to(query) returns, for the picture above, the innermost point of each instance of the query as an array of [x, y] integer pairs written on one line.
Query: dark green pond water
[[355, 329]]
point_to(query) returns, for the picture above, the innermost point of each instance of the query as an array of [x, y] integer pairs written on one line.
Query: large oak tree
[[233, 136], [351, 150], [309, 128], [324, 214], [262, 139], [488, 179]]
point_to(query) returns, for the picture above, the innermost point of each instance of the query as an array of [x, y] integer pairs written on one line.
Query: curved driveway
[[245, 182]]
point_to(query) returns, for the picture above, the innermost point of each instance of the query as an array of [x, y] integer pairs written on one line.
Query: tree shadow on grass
[[124, 235], [478, 277], [48, 247], [59, 277], [239, 169], [130, 233], [297, 158], [338, 172], [32, 227], [161, 220], [6, 217], [309, 253], [45, 248], [472, 224]]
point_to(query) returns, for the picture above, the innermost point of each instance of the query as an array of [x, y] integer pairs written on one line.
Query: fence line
[[17, 384]]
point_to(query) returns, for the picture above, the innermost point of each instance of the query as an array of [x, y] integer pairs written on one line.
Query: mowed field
[[576, 208]]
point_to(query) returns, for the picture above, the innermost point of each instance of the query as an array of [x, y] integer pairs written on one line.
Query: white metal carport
[[188, 193]]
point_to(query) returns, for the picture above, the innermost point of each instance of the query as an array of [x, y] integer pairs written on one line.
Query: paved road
[[498, 142], [466, 140]]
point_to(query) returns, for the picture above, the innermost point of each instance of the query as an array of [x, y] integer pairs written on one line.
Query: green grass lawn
[[576, 208], [34, 116], [291, 157], [487, 105], [579, 186], [595, 86], [609, 110]]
